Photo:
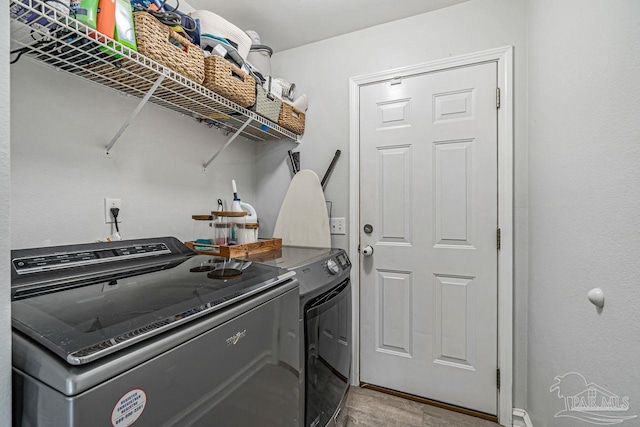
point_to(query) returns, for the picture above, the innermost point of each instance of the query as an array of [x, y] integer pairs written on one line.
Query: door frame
[[504, 58]]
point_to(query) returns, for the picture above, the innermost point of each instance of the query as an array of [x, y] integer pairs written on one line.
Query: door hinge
[[498, 238], [498, 378], [498, 98]]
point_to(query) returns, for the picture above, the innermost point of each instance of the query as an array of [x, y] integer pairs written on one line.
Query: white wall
[[584, 157], [323, 69], [5, 243], [60, 176]]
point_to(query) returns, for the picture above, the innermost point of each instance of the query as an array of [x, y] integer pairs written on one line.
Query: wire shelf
[[52, 37]]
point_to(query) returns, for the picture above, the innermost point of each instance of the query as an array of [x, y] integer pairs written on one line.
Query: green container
[[125, 32], [86, 11]]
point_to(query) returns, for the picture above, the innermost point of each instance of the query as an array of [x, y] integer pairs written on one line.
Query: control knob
[[333, 267]]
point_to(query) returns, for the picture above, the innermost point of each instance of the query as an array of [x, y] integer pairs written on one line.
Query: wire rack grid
[[53, 37]]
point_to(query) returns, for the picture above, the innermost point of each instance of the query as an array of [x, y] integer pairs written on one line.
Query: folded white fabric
[[216, 25]]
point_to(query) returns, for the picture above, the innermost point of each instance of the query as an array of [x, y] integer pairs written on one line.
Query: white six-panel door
[[428, 188]]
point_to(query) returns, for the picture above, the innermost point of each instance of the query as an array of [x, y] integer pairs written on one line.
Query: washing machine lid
[[103, 306]]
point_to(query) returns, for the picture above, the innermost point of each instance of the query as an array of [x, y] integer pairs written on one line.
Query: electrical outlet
[[112, 203], [338, 226]]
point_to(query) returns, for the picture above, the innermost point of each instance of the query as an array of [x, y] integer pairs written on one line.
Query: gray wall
[[323, 69], [60, 176], [576, 181], [5, 307], [584, 189]]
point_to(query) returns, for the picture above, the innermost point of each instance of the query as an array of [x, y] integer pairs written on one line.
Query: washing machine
[[147, 332]]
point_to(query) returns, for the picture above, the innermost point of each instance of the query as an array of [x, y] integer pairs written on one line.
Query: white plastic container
[[252, 215], [216, 25]]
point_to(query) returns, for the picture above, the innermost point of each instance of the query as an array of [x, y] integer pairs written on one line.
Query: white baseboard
[[521, 418]]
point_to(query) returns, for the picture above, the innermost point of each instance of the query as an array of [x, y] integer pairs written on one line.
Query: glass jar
[[202, 232], [247, 233], [226, 227]]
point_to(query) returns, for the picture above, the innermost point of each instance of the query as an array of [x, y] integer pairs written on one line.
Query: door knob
[[367, 250]]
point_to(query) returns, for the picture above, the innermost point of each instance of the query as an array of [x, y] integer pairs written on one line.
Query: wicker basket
[[227, 80], [291, 119], [160, 43], [266, 106]]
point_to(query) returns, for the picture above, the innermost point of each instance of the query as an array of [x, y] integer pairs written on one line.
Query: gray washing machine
[[147, 332], [325, 324]]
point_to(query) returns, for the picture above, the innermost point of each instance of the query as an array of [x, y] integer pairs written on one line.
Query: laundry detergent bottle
[[248, 233], [85, 11], [235, 207]]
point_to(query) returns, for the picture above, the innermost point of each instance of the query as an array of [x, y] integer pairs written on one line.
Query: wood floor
[[369, 408]]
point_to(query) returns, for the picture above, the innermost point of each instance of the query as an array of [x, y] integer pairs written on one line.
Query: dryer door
[[328, 353]]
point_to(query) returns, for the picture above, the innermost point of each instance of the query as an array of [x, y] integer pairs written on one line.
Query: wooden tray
[[235, 251], [262, 256]]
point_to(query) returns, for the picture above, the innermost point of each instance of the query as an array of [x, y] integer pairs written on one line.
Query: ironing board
[[303, 219]]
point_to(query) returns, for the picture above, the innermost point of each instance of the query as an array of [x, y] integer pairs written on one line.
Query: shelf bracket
[[234, 136], [133, 115]]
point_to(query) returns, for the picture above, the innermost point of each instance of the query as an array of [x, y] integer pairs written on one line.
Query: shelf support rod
[[234, 136], [135, 112]]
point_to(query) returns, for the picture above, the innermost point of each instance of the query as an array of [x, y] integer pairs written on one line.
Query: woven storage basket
[[266, 107], [160, 43], [227, 80], [291, 118]]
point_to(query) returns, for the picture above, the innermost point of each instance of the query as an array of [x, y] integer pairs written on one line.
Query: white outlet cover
[[110, 202], [337, 226]]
